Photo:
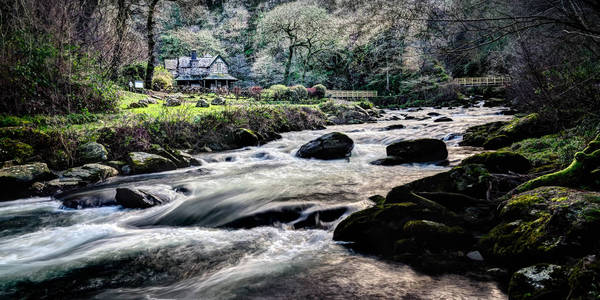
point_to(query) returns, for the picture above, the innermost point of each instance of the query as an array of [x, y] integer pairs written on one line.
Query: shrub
[[365, 104], [280, 92], [320, 90], [237, 92], [256, 92], [312, 92], [162, 80], [299, 92], [84, 117]]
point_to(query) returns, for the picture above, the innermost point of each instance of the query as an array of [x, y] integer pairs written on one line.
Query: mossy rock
[[500, 162], [584, 278], [543, 281], [91, 152], [434, 235], [58, 160], [27, 135], [376, 230], [142, 163], [243, 137], [14, 150], [476, 136], [548, 223], [497, 142], [16, 180]]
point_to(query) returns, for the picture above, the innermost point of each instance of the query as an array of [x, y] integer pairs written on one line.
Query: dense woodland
[[64, 56]]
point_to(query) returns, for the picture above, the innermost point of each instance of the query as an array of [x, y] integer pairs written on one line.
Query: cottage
[[207, 71]]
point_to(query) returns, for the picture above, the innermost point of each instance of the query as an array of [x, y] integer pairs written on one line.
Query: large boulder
[[545, 224], [142, 197], [91, 173], [16, 180], [243, 137], [500, 162], [477, 135], [179, 157], [92, 152], [543, 281], [142, 162], [333, 145], [415, 151]]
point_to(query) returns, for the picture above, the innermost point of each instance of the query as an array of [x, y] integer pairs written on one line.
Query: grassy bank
[[56, 139]]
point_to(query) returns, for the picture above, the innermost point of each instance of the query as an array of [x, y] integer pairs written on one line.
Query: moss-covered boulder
[[584, 171], [333, 145], [584, 278], [14, 150], [91, 152], [497, 142], [243, 137], [180, 158], [16, 180], [376, 230], [545, 224], [542, 281], [500, 162], [141, 163], [476, 136]]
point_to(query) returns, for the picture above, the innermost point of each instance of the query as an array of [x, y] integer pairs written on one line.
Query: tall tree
[[150, 23], [307, 29], [123, 12]]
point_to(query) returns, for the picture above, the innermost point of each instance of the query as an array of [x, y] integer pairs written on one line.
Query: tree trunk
[[121, 26], [288, 66], [83, 22], [151, 43]]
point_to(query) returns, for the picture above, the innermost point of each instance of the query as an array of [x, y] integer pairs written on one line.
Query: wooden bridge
[[482, 81], [340, 94]]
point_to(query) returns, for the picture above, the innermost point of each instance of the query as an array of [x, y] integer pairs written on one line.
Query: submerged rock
[[140, 198], [16, 180], [393, 127], [333, 145], [141, 163], [442, 119]]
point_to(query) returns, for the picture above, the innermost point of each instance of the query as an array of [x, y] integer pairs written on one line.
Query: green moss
[[521, 239], [14, 150], [500, 161]]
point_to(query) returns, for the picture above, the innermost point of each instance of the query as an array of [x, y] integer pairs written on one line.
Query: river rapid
[[255, 223]]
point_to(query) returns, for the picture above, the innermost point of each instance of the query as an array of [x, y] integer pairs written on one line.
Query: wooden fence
[[351, 94], [482, 81]]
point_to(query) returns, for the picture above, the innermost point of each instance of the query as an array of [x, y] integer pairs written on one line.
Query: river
[[187, 249]]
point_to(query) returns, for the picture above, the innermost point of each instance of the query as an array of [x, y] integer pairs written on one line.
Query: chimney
[[194, 55]]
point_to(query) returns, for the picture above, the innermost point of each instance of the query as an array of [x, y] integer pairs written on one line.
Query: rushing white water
[[188, 249]]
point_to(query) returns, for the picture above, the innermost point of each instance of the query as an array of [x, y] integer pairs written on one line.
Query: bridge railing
[[351, 94], [479, 81]]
